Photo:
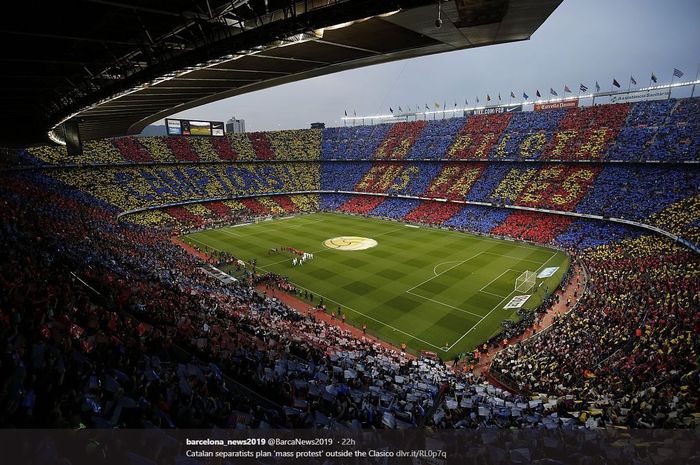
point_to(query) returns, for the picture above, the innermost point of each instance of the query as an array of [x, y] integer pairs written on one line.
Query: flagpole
[[692, 92]]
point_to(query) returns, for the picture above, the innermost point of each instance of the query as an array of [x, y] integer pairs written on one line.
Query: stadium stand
[[107, 323], [613, 346]]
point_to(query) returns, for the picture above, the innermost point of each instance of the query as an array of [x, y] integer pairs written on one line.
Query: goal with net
[[526, 281]]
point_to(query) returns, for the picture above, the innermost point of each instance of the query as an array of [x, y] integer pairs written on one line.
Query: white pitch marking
[[372, 318], [491, 293], [514, 258], [494, 308], [494, 279], [442, 263], [203, 243], [444, 304], [439, 274]]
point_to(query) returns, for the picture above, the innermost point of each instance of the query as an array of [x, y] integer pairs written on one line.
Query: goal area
[[526, 281]]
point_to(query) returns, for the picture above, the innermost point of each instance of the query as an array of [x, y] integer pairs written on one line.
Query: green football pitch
[[433, 289]]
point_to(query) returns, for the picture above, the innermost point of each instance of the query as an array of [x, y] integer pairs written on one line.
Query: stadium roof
[[118, 65]]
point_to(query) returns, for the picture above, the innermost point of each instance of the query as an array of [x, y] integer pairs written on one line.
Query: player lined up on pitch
[[298, 261]]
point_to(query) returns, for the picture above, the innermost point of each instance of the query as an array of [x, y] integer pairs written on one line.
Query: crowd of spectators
[[120, 328], [108, 324], [399, 140], [477, 218], [637, 192], [352, 142], [586, 133], [433, 213], [527, 134], [630, 345], [394, 208], [661, 130], [296, 144], [584, 233], [135, 187], [679, 138], [681, 218], [648, 194], [532, 226], [454, 180], [361, 204], [479, 136], [435, 138], [665, 196], [638, 133]]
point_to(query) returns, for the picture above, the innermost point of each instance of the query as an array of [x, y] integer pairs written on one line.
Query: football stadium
[[477, 273]]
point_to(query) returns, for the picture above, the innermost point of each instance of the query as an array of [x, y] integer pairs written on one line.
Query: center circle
[[350, 243]]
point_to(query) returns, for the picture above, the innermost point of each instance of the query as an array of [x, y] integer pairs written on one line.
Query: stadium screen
[[184, 127]]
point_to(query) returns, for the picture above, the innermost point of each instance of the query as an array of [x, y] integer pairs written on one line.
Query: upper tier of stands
[[662, 130], [296, 144]]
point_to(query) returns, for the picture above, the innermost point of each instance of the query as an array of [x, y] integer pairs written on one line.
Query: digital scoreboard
[[189, 127]]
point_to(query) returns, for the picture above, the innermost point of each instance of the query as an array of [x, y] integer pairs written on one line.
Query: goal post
[[526, 281]]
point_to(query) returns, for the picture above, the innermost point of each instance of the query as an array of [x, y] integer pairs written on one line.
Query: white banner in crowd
[[548, 272], [517, 301]]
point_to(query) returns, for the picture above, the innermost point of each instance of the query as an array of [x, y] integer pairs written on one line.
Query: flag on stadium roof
[[488, 98], [391, 110], [346, 113], [466, 102], [653, 77], [677, 72], [499, 96], [553, 92], [566, 88], [597, 87], [400, 110], [633, 81], [354, 113], [583, 88], [477, 99], [437, 105], [615, 83], [538, 93], [525, 96], [512, 94], [455, 103], [427, 107]]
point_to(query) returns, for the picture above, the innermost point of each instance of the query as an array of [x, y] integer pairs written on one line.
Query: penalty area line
[[495, 279], [440, 274], [373, 319], [494, 308], [445, 305]]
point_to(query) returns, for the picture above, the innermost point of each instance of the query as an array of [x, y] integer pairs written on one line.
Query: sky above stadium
[[581, 42]]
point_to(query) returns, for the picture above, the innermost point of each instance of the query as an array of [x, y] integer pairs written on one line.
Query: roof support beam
[[126, 6]]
